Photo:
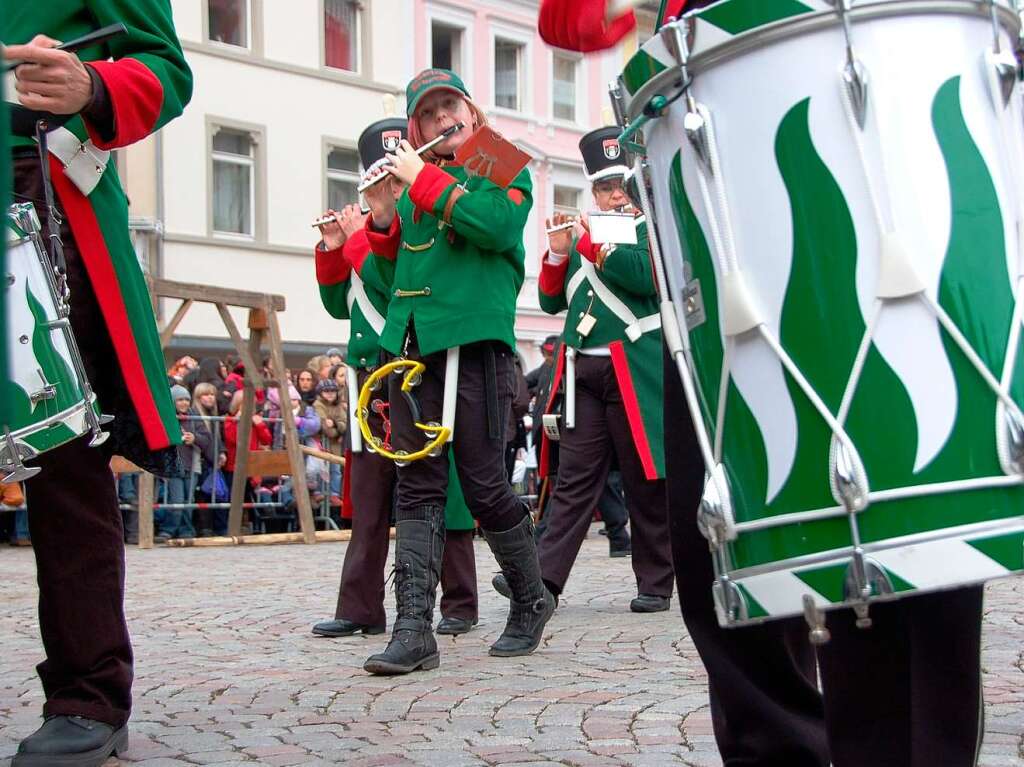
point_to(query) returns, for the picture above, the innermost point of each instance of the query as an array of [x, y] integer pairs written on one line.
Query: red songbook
[[490, 155]]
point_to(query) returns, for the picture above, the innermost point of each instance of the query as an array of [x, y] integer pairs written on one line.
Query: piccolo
[[562, 227], [328, 219], [425, 148]]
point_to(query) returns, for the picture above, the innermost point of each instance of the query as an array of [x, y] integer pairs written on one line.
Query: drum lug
[[1003, 69], [13, 454], [819, 633], [715, 518], [865, 578], [48, 392], [730, 604]]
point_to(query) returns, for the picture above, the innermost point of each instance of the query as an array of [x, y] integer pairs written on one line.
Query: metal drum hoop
[[667, 81]]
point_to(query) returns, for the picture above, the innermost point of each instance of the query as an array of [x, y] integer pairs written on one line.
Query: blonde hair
[[201, 390]]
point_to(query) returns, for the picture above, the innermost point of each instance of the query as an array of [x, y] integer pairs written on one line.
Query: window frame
[[329, 144], [555, 207], [364, 59], [524, 39], [257, 181], [254, 28], [461, 20], [579, 104]]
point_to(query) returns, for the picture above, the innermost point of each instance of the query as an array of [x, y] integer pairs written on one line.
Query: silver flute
[[381, 176]]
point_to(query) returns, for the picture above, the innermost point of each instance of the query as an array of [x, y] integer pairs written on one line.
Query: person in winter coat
[[211, 457], [307, 422], [177, 523], [259, 438], [209, 371], [305, 383], [333, 424]]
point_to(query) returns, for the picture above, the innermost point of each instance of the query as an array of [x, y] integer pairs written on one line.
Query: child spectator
[[333, 423], [177, 523]]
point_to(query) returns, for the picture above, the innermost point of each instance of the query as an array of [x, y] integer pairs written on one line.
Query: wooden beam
[[267, 539], [168, 332], [241, 477], [211, 295], [146, 483], [251, 369], [291, 438]]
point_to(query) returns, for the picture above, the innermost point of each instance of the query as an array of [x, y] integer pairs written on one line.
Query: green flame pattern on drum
[[822, 312], [740, 16]]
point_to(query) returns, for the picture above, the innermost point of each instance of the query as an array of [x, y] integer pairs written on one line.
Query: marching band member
[[454, 243], [609, 377], [352, 288], [119, 94]]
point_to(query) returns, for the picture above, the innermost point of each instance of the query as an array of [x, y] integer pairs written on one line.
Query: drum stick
[[425, 148], [85, 41]]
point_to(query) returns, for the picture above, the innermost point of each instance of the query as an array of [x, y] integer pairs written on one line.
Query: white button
[[590, 294], [359, 335], [582, 315], [362, 360]]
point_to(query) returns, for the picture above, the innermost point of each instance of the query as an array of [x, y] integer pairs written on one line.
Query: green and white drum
[[841, 218], [48, 398]]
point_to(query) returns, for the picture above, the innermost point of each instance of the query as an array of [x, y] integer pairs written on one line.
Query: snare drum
[[841, 218], [48, 400]]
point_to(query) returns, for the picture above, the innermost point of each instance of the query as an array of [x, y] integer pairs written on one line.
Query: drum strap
[[53, 217], [352, 379], [635, 327], [357, 296]]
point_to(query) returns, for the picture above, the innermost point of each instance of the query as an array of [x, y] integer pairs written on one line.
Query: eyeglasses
[[608, 186]]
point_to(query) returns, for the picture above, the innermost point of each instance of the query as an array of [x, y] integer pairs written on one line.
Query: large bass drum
[[48, 400], [841, 215]]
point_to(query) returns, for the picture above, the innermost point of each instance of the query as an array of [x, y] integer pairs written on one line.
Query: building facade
[[225, 194]]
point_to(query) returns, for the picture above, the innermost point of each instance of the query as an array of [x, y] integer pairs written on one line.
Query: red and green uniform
[[622, 298], [457, 284], [353, 287], [148, 83]]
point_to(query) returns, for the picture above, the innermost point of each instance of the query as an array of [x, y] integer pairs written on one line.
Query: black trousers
[[77, 531], [361, 594], [485, 390], [905, 693], [585, 458]]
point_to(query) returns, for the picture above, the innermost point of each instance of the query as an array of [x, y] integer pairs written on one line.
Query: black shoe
[[455, 626], [650, 603], [531, 605], [617, 553], [344, 628], [71, 741], [161, 538], [419, 546]]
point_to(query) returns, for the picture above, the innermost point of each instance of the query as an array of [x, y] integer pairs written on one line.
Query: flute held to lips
[[381, 176]]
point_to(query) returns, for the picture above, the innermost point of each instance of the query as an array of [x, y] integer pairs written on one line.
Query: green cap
[[428, 80]]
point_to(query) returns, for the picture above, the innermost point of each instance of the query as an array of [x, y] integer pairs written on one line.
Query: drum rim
[[807, 23], [817, 559], [57, 418]]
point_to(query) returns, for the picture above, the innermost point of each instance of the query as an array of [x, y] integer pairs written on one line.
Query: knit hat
[[180, 392], [429, 80], [334, 351], [328, 384]]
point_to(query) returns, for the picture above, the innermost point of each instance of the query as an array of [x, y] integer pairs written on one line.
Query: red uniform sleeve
[[356, 249], [552, 278], [385, 244], [587, 249], [331, 266]]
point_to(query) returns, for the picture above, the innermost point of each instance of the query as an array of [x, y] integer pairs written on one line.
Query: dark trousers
[[361, 595], [77, 531], [904, 693], [585, 458], [485, 389]]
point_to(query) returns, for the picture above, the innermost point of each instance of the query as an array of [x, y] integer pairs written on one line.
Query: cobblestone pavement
[[229, 673]]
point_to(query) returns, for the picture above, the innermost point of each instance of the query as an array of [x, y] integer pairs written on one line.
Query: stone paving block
[[235, 678]]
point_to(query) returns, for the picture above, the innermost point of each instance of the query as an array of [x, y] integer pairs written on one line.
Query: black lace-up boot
[[419, 544], [531, 604]]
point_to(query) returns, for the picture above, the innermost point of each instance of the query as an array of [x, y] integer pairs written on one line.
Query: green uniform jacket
[[352, 288], [5, 196], [622, 297], [457, 284], [149, 84]]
